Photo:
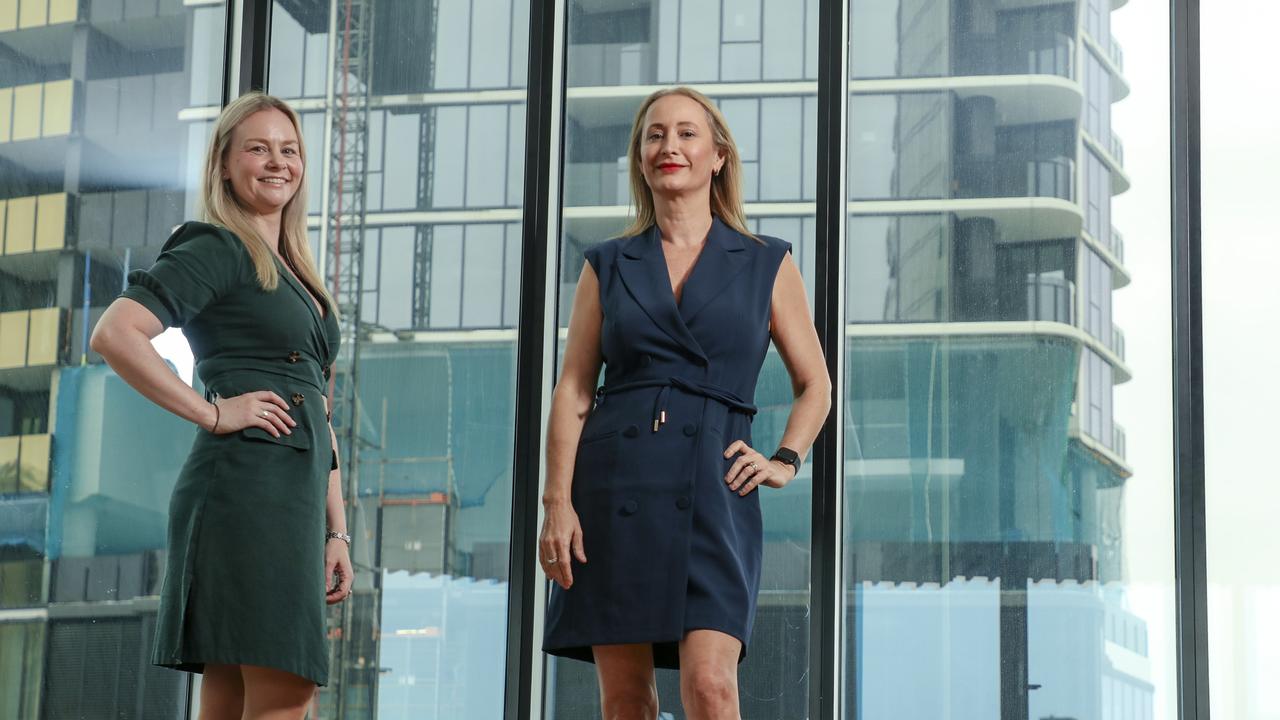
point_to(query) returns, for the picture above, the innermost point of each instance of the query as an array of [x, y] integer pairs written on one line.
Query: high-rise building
[[984, 471]]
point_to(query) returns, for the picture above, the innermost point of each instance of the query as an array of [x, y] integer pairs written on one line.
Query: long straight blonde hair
[[726, 186], [220, 205]]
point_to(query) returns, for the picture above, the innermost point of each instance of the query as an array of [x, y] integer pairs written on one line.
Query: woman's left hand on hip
[[752, 469]]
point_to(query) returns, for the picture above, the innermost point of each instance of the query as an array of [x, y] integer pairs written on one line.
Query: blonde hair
[[220, 205], [726, 186]]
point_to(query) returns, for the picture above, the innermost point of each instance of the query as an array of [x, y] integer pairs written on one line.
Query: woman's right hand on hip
[[262, 409], [561, 533]]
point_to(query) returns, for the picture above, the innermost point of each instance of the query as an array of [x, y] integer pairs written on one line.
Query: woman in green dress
[[257, 531]]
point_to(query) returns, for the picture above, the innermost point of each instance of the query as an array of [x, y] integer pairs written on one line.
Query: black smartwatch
[[787, 456]]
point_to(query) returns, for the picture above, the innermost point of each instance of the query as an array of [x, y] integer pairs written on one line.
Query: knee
[[712, 690], [636, 703]]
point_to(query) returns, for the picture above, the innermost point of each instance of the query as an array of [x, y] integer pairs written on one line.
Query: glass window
[[428, 444], [690, 41], [1239, 257], [994, 562], [99, 166]]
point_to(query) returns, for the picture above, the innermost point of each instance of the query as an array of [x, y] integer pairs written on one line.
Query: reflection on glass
[[618, 49], [987, 557], [416, 217], [97, 165]]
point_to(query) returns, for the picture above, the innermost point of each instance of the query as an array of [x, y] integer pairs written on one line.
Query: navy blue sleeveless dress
[[670, 548]]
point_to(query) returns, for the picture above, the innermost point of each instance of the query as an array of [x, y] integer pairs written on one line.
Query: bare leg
[[271, 694], [709, 675], [221, 693], [628, 690]]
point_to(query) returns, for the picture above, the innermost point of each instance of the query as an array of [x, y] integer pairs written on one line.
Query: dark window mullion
[[1190, 556], [826, 601], [534, 331]]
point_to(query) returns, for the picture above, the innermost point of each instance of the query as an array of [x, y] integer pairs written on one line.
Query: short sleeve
[[197, 265], [592, 254]]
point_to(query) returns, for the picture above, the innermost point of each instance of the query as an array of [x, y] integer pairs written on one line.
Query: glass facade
[[1005, 546]]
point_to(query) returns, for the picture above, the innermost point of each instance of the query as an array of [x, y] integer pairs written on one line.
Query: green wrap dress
[[244, 580]]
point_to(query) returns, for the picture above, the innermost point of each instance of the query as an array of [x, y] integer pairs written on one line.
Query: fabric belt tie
[[706, 390]]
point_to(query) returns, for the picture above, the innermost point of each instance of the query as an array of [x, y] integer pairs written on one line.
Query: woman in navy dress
[[653, 475]]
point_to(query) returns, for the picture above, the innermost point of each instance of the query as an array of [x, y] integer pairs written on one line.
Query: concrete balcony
[[1117, 341]]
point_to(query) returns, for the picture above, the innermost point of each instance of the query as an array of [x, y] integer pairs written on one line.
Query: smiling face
[[678, 152], [263, 162]]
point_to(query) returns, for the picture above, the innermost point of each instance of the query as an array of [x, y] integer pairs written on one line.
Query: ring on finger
[[752, 465], [552, 561], [266, 413]]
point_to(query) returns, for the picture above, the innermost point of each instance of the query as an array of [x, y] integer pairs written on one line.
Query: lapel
[[722, 258], [302, 292], [643, 270]]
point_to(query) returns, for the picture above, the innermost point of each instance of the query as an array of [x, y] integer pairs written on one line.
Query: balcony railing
[[1005, 177], [33, 224], [1037, 54], [24, 464], [1117, 341], [1118, 440], [29, 337], [1116, 53], [1116, 244], [1117, 148], [597, 64], [1050, 299], [597, 183]]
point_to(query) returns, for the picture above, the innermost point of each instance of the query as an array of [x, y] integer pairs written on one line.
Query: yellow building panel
[[33, 13], [42, 343], [13, 339], [57, 108], [33, 474], [26, 112], [61, 11], [6, 112], [9, 464], [51, 221], [8, 15], [20, 226]]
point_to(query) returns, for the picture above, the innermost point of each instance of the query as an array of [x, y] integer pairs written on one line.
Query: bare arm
[[123, 337], [797, 341], [573, 394], [570, 404], [337, 556]]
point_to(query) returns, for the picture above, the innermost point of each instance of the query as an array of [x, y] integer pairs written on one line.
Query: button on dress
[[244, 580], [670, 548]]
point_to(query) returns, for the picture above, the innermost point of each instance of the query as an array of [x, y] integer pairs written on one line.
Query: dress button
[[690, 429], [630, 507], [631, 431], [683, 502], [297, 399], [294, 356]]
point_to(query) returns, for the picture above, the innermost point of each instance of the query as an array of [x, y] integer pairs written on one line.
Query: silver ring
[[266, 413], [552, 561], [753, 466]]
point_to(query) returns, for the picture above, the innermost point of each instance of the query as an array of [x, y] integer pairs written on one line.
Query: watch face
[[787, 456]]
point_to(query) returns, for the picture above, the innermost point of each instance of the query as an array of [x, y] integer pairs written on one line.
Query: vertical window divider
[[247, 49], [1190, 554], [535, 352], [826, 564]]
